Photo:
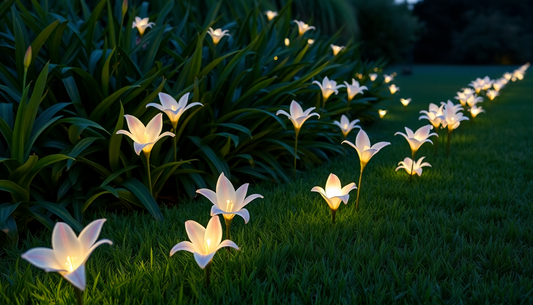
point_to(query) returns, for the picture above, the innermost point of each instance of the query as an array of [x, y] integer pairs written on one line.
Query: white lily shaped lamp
[[204, 244], [451, 118], [270, 15], [405, 101], [303, 27], [365, 151], [418, 138], [346, 126], [334, 193], [336, 49], [473, 100], [393, 89], [298, 118], [69, 253], [433, 116], [144, 138], [354, 89], [217, 34], [388, 78], [382, 113], [142, 24], [373, 76], [492, 94], [328, 87], [412, 168], [474, 111], [228, 202], [173, 110]]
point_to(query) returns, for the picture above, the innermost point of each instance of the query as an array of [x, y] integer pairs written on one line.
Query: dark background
[[474, 31]]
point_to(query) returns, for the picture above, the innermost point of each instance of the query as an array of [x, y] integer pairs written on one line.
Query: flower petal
[[184, 245], [138, 147], [225, 192], [96, 245], [209, 194], [362, 140], [333, 184], [90, 233], [228, 243], [319, 190], [158, 106], [196, 233], [240, 195], [184, 100], [296, 110], [43, 258], [203, 259], [135, 126], [213, 232], [378, 146], [65, 243], [154, 127], [77, 277], [244, 214], [127, 133], [347, 188]]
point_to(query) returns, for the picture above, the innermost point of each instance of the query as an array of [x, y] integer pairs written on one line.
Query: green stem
[[148, 172], [333, 212], [323, 107], [175, 143], [359, 189], [295, 150], [228, 227], [207, 274], [78, 294]]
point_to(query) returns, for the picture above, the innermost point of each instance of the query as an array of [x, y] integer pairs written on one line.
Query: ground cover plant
[[459, 233], [65, 98]]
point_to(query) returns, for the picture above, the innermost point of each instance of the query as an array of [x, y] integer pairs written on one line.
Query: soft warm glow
[[363, 147], [345, 125], [393, 88], [474, 111], [375, 69], [142, 24], [303, 27], [416, 168], [275, 58], [491, 94], [382, 113], [336, 49], [217, 34], [334, 193], [287, 42], [69, 253], [328, 87], [373, 76], [354, 89], [404, 101], [310, 41], [388, 78], [172, 108], [270, 15], [144, 137], [417, 138], [297, 115]]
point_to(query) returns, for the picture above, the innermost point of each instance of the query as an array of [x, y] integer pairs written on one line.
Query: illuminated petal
[[154, 127], [283, 112], [167, 101], [213, 232], [244, 214], [93, 247], [64, 242], [183, 100], [202, 259], [319, 190], [127, 133], [228, 243], [158, 106], [217, 211], [196, 232], [209, 194], [333, 184], [296, 110], [225, 192], [43, 258], [77, 277], [184, 245], [136, 127], [347, 188], [138, 147], [90, 233], [362, 140]]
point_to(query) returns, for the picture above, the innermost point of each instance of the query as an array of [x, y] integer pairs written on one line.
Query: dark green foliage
[[59, 145]]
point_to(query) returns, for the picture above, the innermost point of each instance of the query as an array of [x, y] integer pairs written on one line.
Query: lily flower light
[[328, 87], [217, 34], [451, 118], [498, 85], [204, 244], [303, 27], [382, 113], [473, 100], [478, 85], [69, 253], [297, 117], [173, 110], [334, 193], [405, 102], [365, 151], [228, 202], [507, 76], [393, 88], [336, 49], [287, 42], [418, 138], [474, 111], [492, 94], [142, 24], [433, 116], [463, 96], [411, 167], [270, 15], [388, 78], [144, 138], [373, 76], [487, 83], [346, 126], [310, 41], [354, 89]]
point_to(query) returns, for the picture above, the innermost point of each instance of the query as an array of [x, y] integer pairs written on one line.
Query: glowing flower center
[[71, 263], [345, 126], [366, 147], [145, 137], [229, 206], [218, 32], [206, 244], [173, 108]]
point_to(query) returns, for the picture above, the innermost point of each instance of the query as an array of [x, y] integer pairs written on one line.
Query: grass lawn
[[460, 233]]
